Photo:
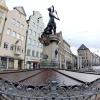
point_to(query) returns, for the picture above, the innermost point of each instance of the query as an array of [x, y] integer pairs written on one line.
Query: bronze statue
[[51, 26]]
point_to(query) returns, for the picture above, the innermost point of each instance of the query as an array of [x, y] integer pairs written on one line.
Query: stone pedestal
[[50, 51]]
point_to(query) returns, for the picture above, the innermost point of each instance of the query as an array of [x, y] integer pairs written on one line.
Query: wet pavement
[[81, 76], [50, 75], [39, 77], [17, 76], [45, 76]]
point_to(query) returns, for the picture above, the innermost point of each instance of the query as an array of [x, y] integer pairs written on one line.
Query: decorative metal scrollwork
[[52, 89]]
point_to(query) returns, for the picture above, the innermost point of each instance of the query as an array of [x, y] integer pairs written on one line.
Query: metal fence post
[[83, 98], [21, 98], [76, 98], [28, 98], [95, 96]]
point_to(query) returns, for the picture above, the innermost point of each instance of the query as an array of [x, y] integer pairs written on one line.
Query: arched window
[[33, 53]]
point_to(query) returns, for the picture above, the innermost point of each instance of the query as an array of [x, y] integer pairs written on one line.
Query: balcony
[[17, 51]]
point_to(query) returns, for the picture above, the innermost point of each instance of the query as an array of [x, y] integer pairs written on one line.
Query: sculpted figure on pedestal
[[51, 26]]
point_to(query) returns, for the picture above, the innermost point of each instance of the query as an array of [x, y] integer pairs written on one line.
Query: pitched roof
[[21, 10], [66, 42], [83, 47]]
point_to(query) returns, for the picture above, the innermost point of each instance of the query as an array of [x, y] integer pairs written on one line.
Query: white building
[[12, 48], [3, 14], [33, 46]]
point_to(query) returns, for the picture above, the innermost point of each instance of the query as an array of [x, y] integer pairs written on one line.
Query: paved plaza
[[42, 77], [39, 77], [96, 67], [81, 76]]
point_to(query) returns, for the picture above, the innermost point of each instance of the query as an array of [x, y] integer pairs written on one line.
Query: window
[[19, 48], [17, 23], [8, 31], [5, 45], [22, 50], [34, 33], [14, 34], [33, 53], [28, 52], [35, 43], [4, 62], [37, 20], [13, 21], [41, 54], [37, 54], [29, 31], [29, 41], [12, 47]]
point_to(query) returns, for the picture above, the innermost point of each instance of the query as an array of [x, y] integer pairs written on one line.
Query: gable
[[83, 47], [3, 4], [21, 10]]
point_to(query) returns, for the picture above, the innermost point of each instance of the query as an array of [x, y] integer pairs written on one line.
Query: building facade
[[12, 49], [95, 60], [74, 62], [66, 59], [61, 53], [3, 14], [67, 55], [70, 58], [84, 56], [33, 47]]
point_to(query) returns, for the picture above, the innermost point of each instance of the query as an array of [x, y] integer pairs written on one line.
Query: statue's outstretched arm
[[53, 8], [55, 17]]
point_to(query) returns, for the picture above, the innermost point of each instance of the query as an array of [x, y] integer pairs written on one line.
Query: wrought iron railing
[[51, 91], [9, 96]]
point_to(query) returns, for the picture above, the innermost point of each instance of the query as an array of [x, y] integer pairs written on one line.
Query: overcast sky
[[79, 19]]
